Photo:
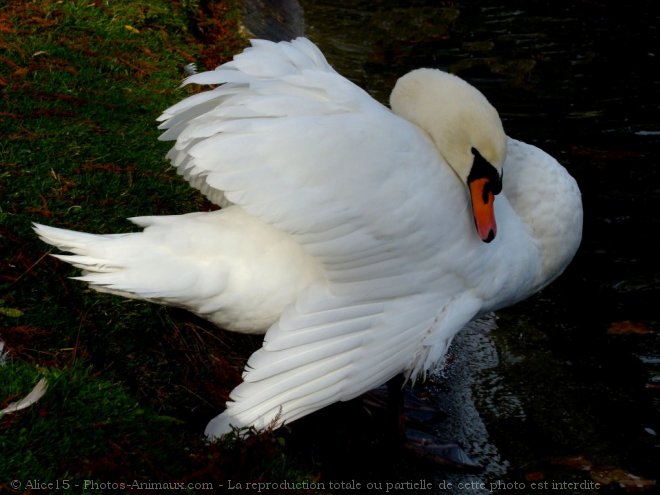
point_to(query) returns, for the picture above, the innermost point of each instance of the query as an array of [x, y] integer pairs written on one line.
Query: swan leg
[[395, 408], [410, 421]]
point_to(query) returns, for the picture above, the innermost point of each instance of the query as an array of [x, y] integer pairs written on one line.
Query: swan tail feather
[[224, 266], [113, 263]]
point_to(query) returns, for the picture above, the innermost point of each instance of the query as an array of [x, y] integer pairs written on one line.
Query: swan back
[[548, 201]]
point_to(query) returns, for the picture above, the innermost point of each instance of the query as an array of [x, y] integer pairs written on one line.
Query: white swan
[[348, 230]]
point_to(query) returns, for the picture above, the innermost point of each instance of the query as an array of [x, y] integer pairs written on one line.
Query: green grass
[[93, 419], [131, 385]]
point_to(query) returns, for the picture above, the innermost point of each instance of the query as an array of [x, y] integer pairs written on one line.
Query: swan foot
[[447, 453], [410, 422]]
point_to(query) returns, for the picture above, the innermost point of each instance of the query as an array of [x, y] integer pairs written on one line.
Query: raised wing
[[291, 82], [303, 149]]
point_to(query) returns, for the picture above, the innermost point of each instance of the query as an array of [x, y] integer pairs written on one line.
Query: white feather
[[3, 353], [37, 393]]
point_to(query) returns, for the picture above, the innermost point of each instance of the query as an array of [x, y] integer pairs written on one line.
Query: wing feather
[[303, 149]]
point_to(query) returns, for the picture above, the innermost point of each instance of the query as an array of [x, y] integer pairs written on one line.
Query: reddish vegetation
[[629, 328], [217, 33]]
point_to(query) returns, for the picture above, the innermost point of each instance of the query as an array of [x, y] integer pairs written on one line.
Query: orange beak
[[482, 208]]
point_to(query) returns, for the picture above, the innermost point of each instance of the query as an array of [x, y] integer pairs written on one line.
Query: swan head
[[465, 128]]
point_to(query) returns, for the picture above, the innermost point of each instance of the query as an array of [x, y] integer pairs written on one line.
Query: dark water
[[565, 386]]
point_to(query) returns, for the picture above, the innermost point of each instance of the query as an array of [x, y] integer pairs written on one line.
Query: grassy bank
[[131, 385]]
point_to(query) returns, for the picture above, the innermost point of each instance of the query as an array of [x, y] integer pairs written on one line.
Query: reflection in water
[[473, 354], [572, 373]]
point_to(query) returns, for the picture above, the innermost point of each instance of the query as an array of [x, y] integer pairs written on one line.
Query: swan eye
[[483, 169]]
